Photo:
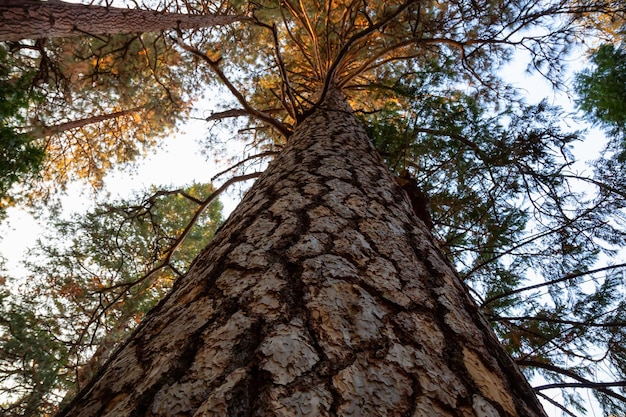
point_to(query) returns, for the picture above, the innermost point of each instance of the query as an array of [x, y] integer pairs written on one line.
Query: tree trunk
[[322, 295], [34, 19]]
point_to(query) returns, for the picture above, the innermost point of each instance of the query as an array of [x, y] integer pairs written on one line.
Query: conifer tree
[[326, 293]]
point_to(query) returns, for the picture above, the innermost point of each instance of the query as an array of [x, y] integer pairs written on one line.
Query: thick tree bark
[[34, 19], [322, 295]]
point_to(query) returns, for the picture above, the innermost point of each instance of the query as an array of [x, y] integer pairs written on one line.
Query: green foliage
[[602, 92], [503, 207], [475, 165], [20, 155], [93, 279], [32, 358]]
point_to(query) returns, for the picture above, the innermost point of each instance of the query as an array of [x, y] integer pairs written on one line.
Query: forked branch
[[351, 42], [280, 127]]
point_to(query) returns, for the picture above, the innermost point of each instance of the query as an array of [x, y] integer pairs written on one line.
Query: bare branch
[[597, 183], [374, 62], [591, 385], [299, 43], [531, 239], [287, 97], [582, 382], [292, 104], [227, 114], [556, 404], [248, 159], [559, 321]]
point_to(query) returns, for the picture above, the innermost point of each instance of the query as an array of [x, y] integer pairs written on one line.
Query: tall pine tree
[[286, 309]]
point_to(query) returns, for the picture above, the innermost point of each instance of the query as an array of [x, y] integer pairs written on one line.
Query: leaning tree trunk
[[322, 295], [34, 19]]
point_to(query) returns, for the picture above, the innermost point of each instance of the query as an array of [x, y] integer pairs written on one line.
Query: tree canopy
[[536, 238], [103, 101]]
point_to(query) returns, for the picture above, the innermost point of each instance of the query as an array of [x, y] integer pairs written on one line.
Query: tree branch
[[75, 124], [330, 75], [554, 281], [227, 114], [287, 98], [292, 104], [179, 240], [559, 321], [597, 183], [556, 404], [280, 127], [238, 164], [591, 385]]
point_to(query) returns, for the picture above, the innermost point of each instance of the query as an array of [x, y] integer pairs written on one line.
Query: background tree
[[602, 93], [93, 279], [105, 98]]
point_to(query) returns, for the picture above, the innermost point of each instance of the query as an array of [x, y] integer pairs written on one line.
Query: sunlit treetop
[[279, 65]]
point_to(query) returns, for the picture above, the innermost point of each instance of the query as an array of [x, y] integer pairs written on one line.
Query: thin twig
[[238, 164], [556, 404]]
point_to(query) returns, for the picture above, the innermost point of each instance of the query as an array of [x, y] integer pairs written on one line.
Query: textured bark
[[33, 19], [322, 295]]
